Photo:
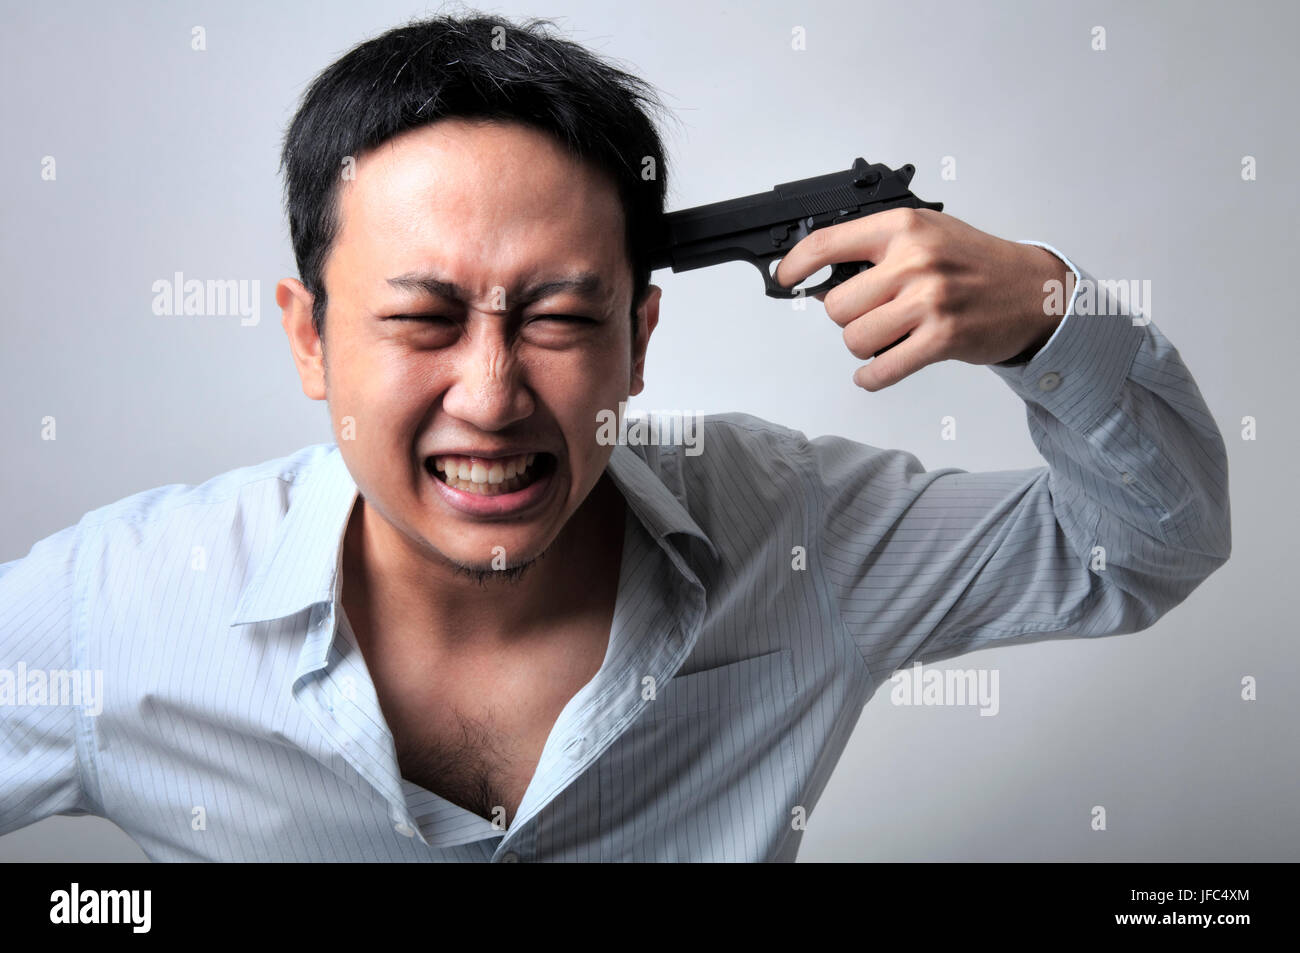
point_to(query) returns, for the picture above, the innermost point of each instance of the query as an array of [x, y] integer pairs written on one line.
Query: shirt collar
[[300, 568]]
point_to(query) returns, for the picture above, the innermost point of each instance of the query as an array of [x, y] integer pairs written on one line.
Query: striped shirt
[[768, 586]]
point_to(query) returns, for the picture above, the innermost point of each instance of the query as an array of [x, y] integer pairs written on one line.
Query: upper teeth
[[497, 471]]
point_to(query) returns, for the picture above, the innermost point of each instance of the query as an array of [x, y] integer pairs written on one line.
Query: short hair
[[444, 67]]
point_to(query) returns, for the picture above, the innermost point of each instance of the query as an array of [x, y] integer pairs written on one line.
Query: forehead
[[466, 194]]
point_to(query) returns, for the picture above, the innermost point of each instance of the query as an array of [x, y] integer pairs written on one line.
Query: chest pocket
[[741, 684], [707, 772]]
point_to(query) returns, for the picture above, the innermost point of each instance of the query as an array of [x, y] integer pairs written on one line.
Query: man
[[471, 629]]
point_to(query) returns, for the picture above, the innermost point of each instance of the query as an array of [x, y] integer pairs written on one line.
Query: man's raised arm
[[1128, 517]]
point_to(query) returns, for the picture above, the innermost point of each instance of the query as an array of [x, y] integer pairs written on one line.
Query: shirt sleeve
[[39, 609], [1130, 514]]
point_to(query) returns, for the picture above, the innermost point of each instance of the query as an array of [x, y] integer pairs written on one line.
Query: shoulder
[[188, 545], [715, 438], [743, 443], [270, 480], [142, 542], [741, 432], [226, 518], [726, 466], [140, 513]]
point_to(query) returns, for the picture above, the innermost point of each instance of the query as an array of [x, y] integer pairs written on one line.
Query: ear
[[647, 319], [295, 303]]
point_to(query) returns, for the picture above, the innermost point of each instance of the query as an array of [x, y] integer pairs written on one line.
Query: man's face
[[481, 365]]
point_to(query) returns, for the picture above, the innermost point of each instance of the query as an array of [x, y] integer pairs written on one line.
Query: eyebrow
[[585, 283]]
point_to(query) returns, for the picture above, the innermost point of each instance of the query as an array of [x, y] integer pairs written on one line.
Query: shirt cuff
[[1078, 374]]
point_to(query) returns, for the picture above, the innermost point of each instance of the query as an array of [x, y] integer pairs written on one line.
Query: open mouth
[[491, 477]]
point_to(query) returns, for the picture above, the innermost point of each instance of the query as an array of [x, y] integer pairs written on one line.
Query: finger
[[879, 328], [863, 239], [898, 362], [865, 292]]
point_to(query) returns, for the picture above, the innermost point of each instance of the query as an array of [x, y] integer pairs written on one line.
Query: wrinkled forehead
[[476, 190]]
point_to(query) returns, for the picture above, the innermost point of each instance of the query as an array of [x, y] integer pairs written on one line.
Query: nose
[[488, 390]]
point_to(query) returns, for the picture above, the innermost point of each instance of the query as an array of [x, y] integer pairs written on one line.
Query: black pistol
[[762, 228]]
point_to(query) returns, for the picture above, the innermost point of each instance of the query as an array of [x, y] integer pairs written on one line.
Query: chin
[[483, 559]]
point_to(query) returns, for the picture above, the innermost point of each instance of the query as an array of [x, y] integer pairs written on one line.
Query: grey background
[[1126, 160]]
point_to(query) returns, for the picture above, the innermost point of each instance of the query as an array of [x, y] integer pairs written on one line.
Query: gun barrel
[[707, 234]]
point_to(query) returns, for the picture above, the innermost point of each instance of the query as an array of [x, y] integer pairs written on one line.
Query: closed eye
[[571, 318], [417, 317]]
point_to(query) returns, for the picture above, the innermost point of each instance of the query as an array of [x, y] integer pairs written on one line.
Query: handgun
[[762, 228]]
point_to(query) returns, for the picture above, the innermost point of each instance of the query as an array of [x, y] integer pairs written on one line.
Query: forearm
[[1133, 449]]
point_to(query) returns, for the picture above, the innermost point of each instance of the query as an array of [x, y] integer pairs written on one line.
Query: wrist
[[1053, 283]]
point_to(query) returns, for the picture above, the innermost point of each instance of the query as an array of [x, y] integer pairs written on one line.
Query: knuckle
[[933, 296], [947, 334], [910, 219], [921, 258], [929, 216]]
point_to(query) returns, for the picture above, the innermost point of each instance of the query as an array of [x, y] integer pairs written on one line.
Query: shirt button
[[1126, 477], [405, 830], [1049, 381], [510, 857]]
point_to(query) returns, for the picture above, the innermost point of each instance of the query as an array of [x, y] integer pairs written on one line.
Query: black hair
[[476, 66]]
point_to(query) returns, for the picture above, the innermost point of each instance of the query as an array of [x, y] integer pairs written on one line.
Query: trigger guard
[[815, 290], [840, 273]]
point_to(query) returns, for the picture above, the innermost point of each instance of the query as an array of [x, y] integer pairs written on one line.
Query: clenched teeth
[[475, 471]]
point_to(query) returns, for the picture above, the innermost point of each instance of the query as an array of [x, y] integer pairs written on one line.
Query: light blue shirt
[[768, 586]]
